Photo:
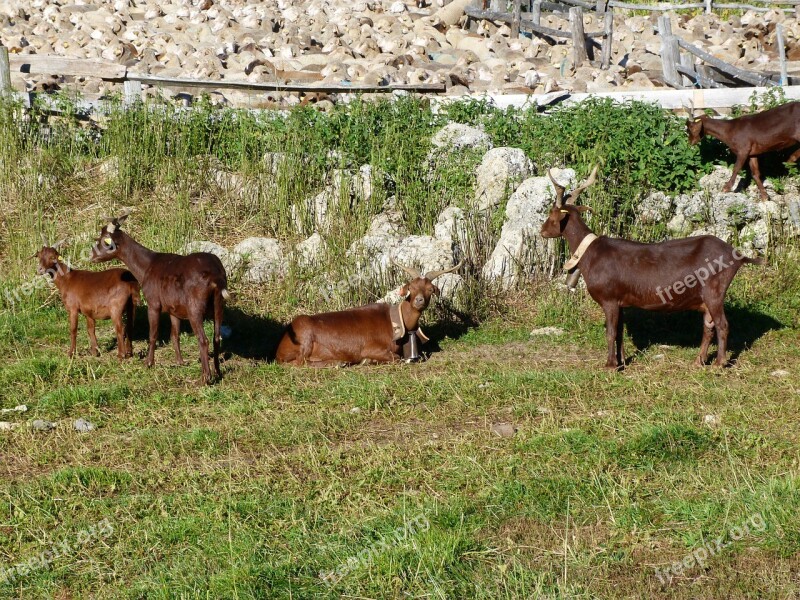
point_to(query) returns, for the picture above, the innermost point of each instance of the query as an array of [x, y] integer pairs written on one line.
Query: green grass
[[255, 486]]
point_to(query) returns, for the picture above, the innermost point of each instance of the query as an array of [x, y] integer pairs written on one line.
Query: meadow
[[508, 465]]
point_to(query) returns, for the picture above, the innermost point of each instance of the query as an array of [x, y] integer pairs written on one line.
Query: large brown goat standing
[[192, 287], [101, 295], [750, 136], [687, 274], [367, 333]]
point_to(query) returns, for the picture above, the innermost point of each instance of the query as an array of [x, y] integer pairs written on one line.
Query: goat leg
[[130, 309], [721, 322], [708, 333], [740, 160], [612, 320], [120, 331], [175, 334], [621, 339], [153, 313], [73, 332], [202, 341], [754, 170], [92, 337], [219, 305]]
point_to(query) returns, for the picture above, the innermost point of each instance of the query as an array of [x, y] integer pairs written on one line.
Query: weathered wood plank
[[579, 52], [515, 17], [669, 53], [608, 40], [285, 87], [44, 64], [5, 73], [749, 77], [525, 24]]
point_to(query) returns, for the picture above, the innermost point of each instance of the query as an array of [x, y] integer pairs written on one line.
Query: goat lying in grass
[[95, 295], [372, 333], [687, 274]]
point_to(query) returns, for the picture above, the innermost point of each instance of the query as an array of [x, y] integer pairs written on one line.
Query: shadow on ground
[[685, 329], [251, 336]]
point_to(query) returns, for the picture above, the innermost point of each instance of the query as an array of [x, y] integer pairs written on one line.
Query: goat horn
[[591, 179], [44, 239], [413, 273], [59, 243], [434, 274], [560, 189]]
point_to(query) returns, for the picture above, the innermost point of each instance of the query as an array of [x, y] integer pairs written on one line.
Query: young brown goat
[[190, 287], [687, 274], [95, 295], [750, 136], [375, 332]]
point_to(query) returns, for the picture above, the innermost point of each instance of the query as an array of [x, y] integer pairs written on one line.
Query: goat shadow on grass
[[771, 165], [685, 329], [251, 336], [452, 326]]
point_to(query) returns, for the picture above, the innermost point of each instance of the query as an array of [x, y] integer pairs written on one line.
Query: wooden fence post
[[608, 39], [708, 6], [782, 55], [498, 5], [536, 12], [601, 6], [669, 53], [131, 92], [688, 62], [578, 35], [515, 18], [5, 73]]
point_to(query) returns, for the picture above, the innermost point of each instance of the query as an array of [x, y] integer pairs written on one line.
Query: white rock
[[308, 252], [520, 246], [231, 261], [547, 331], [457, 136], [712, 420], [498, 175], [451, 225], [262, 258]]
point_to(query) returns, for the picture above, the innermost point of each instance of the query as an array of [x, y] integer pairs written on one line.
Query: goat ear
[[436, 290], [405, 292]]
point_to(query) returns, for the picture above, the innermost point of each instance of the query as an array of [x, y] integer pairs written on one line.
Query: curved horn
[[44, 239], [59, 243], [589, 181], [560, 189], [434, 274], [413, 273]]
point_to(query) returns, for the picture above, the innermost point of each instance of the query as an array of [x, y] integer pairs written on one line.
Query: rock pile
[[738, 217]]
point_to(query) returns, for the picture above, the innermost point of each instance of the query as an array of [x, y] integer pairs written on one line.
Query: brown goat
[[686, 274], [192, 287], [369, 333], [95, 295], [750, 136]]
